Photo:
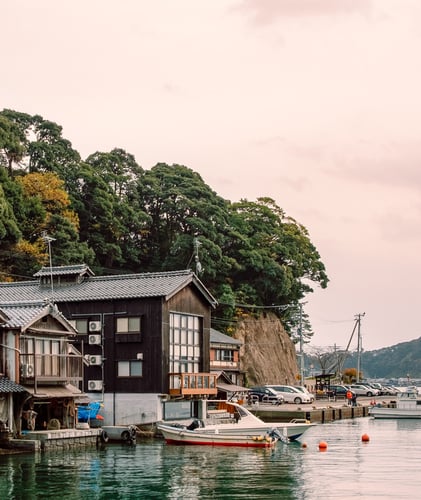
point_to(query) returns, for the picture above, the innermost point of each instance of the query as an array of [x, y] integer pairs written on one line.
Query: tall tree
[[184, 212]]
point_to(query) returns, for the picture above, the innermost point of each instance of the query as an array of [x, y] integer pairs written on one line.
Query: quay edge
[[318, 413]]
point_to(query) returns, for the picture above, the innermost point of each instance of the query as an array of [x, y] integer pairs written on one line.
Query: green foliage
[[110, 213]]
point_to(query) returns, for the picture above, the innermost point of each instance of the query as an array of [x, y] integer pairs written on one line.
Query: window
[[224, 355], [185, 347], [129, 324], [81, 325], [130, 369]]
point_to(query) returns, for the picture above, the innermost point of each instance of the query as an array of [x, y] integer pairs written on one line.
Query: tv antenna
[[48, 239]]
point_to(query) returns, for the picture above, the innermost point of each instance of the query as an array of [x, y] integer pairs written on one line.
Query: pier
[[320, 411]]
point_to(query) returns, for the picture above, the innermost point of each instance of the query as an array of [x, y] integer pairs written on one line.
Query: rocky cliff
[[268, 355]]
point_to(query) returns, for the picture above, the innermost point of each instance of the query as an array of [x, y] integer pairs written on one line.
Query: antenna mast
[[48, 240]]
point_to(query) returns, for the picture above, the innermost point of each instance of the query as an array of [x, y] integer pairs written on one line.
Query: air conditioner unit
[[94, 326], [95, 339], [28, 370], [95, 360], [95, 385]]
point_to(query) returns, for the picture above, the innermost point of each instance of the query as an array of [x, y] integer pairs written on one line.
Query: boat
[[408, 405], [176, 434], [230, 418]]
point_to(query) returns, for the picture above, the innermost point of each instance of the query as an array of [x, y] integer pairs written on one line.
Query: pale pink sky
[[315, 103]]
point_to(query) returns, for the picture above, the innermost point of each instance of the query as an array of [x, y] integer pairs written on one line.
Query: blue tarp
[[89, 412]]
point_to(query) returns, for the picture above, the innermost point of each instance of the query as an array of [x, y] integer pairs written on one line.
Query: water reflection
[[386, 467]]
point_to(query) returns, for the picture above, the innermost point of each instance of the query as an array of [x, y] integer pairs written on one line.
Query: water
[[386, 467]]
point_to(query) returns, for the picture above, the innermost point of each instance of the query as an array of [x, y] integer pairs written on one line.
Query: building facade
[[143, 337]]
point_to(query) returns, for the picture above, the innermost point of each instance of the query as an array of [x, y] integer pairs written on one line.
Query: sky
[[313, 103]]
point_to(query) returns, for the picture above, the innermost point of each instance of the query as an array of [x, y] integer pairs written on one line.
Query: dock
[[320, 411]]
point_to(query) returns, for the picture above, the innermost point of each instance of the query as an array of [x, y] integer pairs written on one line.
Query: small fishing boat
[[408, 405], [182, 435], [230, 418]]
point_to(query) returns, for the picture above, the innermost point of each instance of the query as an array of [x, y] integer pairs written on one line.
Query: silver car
[[291, 394]]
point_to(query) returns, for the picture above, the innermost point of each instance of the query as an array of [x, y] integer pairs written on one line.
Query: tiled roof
[[7, 385], [62, 270], [21, 314], [164, 284], [217, 337]]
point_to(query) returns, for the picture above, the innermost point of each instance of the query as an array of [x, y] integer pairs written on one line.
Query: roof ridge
[[158, 274]]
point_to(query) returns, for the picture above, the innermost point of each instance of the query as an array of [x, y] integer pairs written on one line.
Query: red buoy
[[304, 445], [365, 438], [322, 446]]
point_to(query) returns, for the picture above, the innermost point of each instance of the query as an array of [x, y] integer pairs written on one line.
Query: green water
[[386, 467]]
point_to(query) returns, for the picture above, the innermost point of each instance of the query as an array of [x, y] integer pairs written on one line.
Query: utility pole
[[301, 345], [359, 344]]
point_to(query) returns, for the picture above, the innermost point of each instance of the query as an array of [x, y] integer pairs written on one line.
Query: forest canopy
[[110, 213]]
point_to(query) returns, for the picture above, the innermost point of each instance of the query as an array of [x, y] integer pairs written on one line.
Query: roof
[[217, 337], [78, 269], [24, 314], [7, 385], [231, 387], [55, 391], [94, 288]]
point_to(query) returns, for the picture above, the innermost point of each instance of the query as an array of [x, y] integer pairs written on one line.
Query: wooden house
[[145, 337], [39, 367]]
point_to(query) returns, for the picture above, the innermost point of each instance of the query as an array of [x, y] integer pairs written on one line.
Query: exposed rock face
[[268, 355]]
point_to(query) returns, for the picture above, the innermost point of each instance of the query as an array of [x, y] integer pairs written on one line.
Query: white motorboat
[[174, 434], [227, 417], [408, 405]]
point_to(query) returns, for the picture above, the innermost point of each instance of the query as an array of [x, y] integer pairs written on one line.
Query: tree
[[183, 210], [12, 143], [275, 258]]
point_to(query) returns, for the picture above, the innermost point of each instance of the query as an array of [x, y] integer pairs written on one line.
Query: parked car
[[303, 389], [265, 395], [291, 394], [363, 390], [338, 390], [375, 385], [390, 390]]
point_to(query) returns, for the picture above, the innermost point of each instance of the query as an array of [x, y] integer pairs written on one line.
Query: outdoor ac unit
[[95, 360], [27, 370], [95, 385], [95, 339], [95, 326]]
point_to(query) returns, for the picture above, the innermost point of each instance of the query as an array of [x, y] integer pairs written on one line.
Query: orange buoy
[[365, 438], [322, 446], [304, 445]]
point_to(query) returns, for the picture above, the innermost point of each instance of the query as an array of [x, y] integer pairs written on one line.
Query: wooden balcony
[[51, 368], [192, 384]]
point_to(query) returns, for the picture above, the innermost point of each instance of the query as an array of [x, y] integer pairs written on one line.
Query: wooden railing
[[51, 368], [192, 384]]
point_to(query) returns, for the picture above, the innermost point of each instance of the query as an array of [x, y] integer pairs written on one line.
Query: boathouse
[[144, 338], [41, 371]]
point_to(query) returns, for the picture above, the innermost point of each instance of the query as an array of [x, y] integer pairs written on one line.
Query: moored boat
[[227, 417], [182, 435], [408, 405]]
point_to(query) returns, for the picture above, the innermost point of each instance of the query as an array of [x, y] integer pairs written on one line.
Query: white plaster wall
[[126, 409]]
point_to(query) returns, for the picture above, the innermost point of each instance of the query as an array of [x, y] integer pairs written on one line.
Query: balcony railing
[[51, 368], [192, 384]]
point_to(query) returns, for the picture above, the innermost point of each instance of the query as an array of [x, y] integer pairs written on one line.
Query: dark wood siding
[[152, 343]]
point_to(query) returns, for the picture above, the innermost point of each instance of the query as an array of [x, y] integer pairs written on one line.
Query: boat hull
[[186, 437], [394, 413]]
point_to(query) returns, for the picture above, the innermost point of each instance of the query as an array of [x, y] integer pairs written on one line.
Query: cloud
[[267, 11], [389, 165]]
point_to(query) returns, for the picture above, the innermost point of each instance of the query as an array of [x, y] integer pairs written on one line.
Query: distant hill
[[393, 362]]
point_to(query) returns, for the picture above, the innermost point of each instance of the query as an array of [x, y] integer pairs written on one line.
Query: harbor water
[[385, 467]]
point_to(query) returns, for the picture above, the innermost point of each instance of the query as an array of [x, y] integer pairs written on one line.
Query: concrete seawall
[[317, 412]]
